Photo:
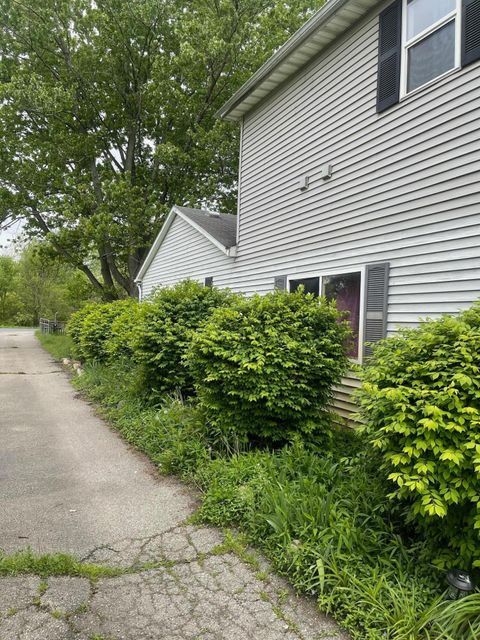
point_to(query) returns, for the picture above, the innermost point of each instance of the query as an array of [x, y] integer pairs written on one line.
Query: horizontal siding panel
[[401, 225], [186, 253], [386, 168]]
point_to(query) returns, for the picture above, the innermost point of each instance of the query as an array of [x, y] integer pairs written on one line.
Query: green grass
[[59, 564], [59, 346]]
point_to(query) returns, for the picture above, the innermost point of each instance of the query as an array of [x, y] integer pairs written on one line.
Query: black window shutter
[[470, 31], [389, 56], [280, 283], [209, 281], [376, 300]]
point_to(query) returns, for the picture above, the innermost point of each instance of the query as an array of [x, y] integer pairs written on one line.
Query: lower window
[[345, 289]]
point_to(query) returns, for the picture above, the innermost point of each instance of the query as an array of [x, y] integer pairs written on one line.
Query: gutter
[[312, 25]]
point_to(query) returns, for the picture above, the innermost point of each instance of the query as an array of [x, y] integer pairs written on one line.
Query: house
[[191, 244], [359, 173]]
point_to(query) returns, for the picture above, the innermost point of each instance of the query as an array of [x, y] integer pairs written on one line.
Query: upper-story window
[[420, 41], [431, 41]]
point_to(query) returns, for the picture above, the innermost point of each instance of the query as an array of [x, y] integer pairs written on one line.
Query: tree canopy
[[107, 117]]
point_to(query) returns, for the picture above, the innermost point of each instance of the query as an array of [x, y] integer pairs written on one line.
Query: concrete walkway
[[69, 484]]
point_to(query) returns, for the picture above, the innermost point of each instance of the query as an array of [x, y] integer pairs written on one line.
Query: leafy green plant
[[458, 620], [420, 400], [93, 329], [75, 323], [119, 344], [266, 365], [163, 333]]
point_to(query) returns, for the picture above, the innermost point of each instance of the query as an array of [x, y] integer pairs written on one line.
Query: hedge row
[[262, 366]]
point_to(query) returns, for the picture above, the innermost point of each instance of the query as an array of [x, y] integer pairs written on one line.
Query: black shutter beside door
[[470, 31], [376, 302], [389, 56]]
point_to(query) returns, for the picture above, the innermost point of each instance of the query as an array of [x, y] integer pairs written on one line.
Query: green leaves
[[163, 333], [107, 117], [420, 401], [266, 364], [95, 326]]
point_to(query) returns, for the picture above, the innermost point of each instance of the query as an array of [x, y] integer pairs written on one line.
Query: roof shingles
[[221, 226]]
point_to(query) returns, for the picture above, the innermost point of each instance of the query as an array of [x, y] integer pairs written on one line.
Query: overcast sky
[[6, 236]]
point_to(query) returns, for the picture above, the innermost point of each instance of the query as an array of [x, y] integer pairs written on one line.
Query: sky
[[6, 236]]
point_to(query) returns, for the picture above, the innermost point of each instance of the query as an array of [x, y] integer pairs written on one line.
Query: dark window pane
[[310, 285], [432, 56], [421, 14], [345, 289]]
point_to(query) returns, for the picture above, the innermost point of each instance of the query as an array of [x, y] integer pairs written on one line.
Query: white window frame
[[321, 274], [456, 15]]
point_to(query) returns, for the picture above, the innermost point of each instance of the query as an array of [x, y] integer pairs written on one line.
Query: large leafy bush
[[91, 328], [120, 342], [163, 333], [421, 403], [75, 324], [266, 364]]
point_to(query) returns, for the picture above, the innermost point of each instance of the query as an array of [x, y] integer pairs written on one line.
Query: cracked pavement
[[69, 484]]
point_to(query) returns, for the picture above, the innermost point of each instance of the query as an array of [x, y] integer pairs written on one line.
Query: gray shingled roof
[[221, 226]]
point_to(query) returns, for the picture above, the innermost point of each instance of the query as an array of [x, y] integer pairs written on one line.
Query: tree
[[48, 287], [8, 273], [107, 117]]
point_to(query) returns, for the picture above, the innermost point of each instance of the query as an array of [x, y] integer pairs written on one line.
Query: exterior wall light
[[460, 584]]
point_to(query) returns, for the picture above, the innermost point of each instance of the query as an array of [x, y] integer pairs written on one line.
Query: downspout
[[140, 292]]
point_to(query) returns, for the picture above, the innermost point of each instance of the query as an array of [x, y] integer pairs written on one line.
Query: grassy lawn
[[59, 346]]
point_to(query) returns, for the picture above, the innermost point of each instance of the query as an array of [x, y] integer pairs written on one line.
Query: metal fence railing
[[51, 326]]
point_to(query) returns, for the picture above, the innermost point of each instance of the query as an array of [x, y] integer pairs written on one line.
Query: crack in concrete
[[29, 373], [182, 584]]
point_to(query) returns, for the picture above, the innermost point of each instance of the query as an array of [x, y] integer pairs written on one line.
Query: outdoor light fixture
[[460, 584]]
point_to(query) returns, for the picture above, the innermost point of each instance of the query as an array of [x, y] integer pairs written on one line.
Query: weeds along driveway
[[69, 484]]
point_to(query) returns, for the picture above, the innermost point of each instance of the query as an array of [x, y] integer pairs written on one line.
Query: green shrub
[[91, 327], [119, 344], [163, 333], [266, 365], [421, 403], [75, 323]]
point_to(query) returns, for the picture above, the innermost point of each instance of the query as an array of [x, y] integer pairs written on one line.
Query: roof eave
[[305, 44]]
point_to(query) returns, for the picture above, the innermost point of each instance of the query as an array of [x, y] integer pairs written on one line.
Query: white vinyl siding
[[404, 189], [185, 253]]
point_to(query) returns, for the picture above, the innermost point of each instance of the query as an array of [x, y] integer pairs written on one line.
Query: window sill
[[426, 86]]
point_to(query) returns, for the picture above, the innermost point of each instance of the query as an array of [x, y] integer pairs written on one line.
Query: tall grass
[[59, 346]]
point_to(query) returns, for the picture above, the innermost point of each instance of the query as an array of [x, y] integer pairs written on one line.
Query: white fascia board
[[305, 44], [156, 245]]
